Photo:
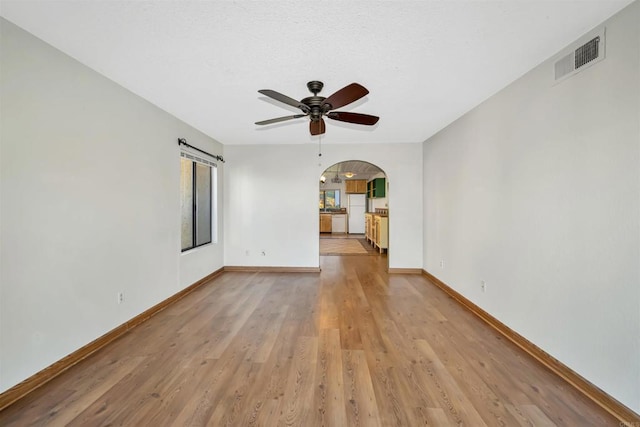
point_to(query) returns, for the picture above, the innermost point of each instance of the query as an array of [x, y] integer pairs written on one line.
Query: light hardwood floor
[[351, 346]]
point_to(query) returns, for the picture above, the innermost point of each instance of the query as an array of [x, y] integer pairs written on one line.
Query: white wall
[[89, 206], [537, 192], [271, 201]]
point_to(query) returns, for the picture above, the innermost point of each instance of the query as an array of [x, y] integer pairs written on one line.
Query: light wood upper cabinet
[[358, 186]]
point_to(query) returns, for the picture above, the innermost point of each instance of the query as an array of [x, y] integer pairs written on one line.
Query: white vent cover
[[582, 55]]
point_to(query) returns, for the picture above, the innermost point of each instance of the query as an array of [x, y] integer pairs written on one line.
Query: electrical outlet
[[442, 264], [246, 252], [120, 297], [483, 286]]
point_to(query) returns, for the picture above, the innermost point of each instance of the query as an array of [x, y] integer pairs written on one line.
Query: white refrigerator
[[356, 209]]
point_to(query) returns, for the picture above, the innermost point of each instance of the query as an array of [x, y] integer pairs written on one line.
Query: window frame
[[195, 160], [324, 199]]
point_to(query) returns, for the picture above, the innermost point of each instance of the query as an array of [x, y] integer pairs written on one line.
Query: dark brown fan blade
[[280, 119], [316, 127], [361, 119], [345, 96], [284, 98]]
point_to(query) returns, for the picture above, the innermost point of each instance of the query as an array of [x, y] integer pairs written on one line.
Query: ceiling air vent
[[580, 57], [587, 52]]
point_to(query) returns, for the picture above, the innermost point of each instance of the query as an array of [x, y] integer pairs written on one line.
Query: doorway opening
[[353, 209]]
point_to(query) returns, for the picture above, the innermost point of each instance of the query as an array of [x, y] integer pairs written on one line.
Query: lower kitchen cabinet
[[325, 223], [381, 232], [368, 227], [376, 230]]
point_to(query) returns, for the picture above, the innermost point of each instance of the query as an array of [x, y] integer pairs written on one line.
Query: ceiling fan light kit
[[316, 107]]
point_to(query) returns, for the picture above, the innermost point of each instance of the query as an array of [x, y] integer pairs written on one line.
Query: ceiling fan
[[315, 107]]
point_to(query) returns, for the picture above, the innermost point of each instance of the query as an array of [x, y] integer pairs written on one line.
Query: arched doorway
[[353, 205]]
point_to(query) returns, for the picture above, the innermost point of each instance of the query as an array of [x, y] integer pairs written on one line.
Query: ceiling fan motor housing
[[315, 105]]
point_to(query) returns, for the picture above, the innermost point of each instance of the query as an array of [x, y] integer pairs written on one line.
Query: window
[[197, 201], [329, 199]]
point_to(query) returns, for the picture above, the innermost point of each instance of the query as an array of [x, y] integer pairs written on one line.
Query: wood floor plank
[[212, 388], [362, 407], [262, 414], [467, 374], [350, 346], [436, 417], [230, 410], [328, 402], [296, 408], [536, 416], [392, 409], [264, 342], [452, 395], [223, 334], [62, 412]]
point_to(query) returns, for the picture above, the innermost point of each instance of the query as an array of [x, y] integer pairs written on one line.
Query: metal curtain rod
[[182, 141]]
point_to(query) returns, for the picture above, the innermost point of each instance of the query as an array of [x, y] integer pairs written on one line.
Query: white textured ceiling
[[425, 63]]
